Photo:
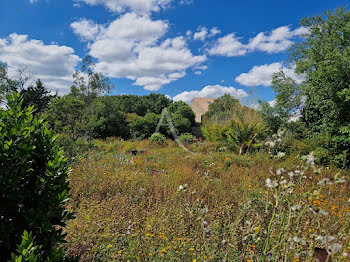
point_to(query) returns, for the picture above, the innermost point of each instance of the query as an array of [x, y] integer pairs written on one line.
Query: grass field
[[170, 205]]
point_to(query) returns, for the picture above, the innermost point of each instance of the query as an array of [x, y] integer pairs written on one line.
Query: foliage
[[322, 98], [242, 135], [143, 127], [37, 96], [214, 132], [233, 126], [288, 102], [33, 181], [88, 84], [222, 109], [187, 138], [182, 117], [157, 138], [169, 205], [7, 85], [27, 250], [74, 148]]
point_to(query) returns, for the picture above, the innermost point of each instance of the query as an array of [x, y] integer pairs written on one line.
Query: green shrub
[[187, 138], [73, 148], [26, 251], [158, 138], [33, 179]]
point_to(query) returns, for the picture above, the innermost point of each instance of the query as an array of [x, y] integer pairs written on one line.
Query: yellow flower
[[194, 260], [110, 245]]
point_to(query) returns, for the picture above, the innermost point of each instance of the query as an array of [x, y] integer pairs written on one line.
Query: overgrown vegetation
[[233, 126], [170, 205], [322, 98], [33, 183], [265, 185]]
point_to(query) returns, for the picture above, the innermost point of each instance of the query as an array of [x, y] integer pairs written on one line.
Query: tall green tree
[[7, 85], [89, 84], [323, 57], [36, 95]]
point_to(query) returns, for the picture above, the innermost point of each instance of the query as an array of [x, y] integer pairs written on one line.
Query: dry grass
[[169, 205]]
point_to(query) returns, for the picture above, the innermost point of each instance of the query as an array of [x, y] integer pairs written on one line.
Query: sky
[[180, 48]]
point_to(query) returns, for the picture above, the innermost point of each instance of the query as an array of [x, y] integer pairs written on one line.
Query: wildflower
[[283, 182], [270, 183], [297, 239], [335, 247], [296, 208], [310, 159], [182, 187], [324, 182], [280, 155], [291, 175], [204, 210], [280, 171], [110, 245], [272, 144]]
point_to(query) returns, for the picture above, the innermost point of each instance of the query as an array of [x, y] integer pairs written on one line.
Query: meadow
[[166, 204]]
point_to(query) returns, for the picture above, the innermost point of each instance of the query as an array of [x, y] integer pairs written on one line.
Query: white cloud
[[262, 75], [130, 47], [280, 39], [119, 6], [86, 29], [228, 45], [53, 64], [203, 33], [213, 91], [214, 31], [33, 1]]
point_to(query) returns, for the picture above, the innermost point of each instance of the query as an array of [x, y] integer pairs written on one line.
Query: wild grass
[[169, 205]]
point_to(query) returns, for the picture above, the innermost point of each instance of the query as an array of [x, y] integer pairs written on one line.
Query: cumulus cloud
[[276, 41], [211, 91], [131, 47], [53, 64], [203, 33], [119, 6], [228, 45], [86, 29], [262, 75]]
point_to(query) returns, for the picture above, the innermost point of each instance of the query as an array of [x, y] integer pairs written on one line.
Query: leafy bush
[[242, 135], [73, 148], [26, 251], [158, 138], [33, 179], [187, 138]]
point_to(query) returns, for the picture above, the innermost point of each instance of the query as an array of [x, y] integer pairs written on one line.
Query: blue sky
[[180, 48]]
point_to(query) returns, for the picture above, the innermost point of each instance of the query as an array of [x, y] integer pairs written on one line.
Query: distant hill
[[200, 106]]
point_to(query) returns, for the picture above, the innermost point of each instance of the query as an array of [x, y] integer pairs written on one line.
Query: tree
[[182, 116], [66, 115], [33, 179], [89, 84], [7, 84], [324, 57], [288, 102], [36, 95]]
